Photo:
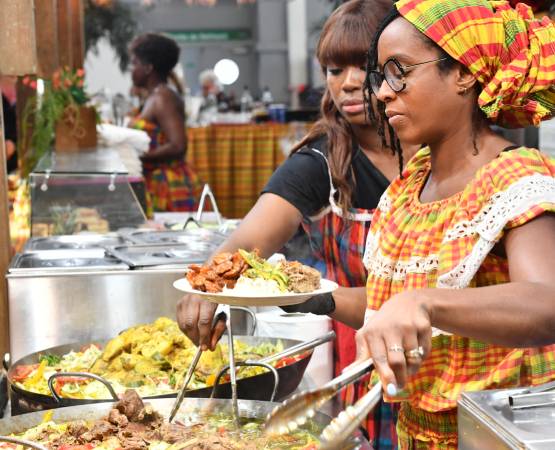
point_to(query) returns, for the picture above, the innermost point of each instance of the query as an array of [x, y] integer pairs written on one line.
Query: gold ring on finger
[[396, 348], [415, 353]]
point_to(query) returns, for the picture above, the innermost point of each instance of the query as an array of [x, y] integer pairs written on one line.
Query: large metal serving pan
[[137, 256], [75, 260], [191, 410], [259, 387], [192, 235], [54, 307], [75, 241]]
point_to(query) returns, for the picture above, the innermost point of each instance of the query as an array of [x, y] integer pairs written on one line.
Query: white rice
[[253, 287]]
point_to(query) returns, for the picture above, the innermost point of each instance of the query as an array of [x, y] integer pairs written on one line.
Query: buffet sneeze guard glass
[[83, 192]]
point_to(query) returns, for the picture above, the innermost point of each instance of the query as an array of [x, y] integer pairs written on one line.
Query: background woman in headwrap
[[462, 246], [331, 185], [171, 183]]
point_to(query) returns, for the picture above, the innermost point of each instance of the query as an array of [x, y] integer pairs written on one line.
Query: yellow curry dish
[[151, 358]]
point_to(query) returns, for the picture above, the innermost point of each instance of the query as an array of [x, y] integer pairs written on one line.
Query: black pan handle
[[272, 369], [22, 442], [82, 375], [191, 220]]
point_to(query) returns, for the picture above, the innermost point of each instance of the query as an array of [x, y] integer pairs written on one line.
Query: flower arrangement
[[61, 101]]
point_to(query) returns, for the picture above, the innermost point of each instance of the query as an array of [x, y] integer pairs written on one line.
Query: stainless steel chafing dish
[[520, 418], [190, 236], [79, 241], [68, 260], [74, 291], [162, 254]]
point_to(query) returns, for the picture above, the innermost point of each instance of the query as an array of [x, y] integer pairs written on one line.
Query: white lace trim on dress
[[489, 223]]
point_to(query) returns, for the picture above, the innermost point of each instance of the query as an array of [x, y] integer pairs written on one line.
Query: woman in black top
[[330, 184]]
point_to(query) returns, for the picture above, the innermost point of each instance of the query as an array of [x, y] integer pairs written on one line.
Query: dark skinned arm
[[520, 313], [268, 226], [167, 114]]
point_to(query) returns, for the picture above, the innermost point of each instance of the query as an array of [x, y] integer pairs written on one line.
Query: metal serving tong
[[207, 192], [189, 375], [341, 428], [294, 412]]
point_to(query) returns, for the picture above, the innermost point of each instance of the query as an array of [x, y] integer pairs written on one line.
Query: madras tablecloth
[[237, 160]]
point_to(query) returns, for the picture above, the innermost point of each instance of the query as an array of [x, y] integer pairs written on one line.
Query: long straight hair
[[344, 41]]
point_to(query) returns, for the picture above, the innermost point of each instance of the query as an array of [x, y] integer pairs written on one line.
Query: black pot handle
[[82, 375], [191, 220], [272, 369]]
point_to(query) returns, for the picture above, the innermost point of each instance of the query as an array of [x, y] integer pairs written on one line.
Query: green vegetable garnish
[[261, 268], [51, 360]]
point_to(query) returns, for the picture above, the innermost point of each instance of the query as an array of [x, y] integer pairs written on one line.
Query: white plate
[[229, 298]]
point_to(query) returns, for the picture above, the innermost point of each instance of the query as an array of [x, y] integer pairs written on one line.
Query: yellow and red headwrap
[[509, 52]]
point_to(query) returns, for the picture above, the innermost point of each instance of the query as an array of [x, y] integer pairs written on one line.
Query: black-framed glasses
[[393, 73]]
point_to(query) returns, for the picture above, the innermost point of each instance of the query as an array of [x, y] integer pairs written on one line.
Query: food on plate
[[301, 278], [224, 270], [151, 358], [249, 273], [134, 425]]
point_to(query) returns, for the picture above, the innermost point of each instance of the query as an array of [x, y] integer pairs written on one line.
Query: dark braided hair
[[156, 49], [385, 131]]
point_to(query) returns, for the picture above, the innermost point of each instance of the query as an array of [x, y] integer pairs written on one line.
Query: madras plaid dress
[[337, 245], [447, 244], [171, 185]]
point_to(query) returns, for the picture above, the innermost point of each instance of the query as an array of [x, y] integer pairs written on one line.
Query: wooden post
[[46, 26], [71, 35], [77, 15], [18, 51], [18, 56], [64, 33]]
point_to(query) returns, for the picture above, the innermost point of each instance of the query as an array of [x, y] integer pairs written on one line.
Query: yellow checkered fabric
[[509, 52], [446, 244]]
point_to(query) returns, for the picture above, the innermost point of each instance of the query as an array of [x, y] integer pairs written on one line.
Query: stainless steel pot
[[192, 408], [259, 387]]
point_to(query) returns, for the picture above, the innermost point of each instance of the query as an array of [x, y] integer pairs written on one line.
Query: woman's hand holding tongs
[[397, 337], [194, 317]]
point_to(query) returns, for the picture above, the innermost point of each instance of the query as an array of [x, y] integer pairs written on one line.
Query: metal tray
[[76, 260], [487, 419], [76, 241], [158, 255], [199, 235]]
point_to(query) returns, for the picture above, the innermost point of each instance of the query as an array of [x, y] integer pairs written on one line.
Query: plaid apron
[[337, 245]]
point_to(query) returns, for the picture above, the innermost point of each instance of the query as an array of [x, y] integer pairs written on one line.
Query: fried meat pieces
[[224, 270]]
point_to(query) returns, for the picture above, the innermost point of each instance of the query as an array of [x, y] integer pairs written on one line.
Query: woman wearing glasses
[[330, 185], [461, 250]]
